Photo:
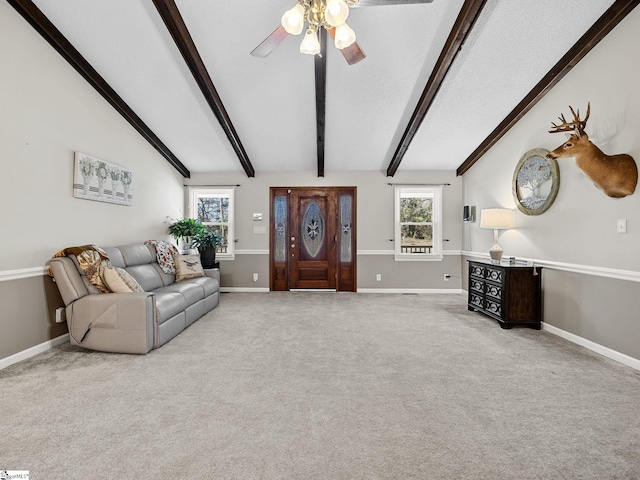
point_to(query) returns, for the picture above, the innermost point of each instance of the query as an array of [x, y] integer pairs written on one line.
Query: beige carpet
[[327, 386]]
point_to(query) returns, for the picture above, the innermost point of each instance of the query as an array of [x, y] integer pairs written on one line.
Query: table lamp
[[498, 219]]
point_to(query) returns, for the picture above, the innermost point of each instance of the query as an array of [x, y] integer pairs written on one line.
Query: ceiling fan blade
[[379, 3], [353, 53], [270, 43]]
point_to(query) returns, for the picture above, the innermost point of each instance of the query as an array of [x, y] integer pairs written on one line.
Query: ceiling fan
[[328, 14]]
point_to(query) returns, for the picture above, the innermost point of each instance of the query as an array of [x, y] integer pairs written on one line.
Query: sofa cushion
[[168, 304], [115, 256], [188, 266], [119, 281], [147, 276], [137, 254], [192, 292], [210, 285], [167, 278]]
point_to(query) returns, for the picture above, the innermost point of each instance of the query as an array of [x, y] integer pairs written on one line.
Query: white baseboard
[[594, 347], [411, 291], [244, 290], [30, 352]]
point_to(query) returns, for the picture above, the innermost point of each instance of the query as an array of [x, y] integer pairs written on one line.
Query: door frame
[[345, 239]]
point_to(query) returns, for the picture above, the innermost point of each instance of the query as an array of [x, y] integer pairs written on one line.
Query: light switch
[[622, 225], [257, 217]]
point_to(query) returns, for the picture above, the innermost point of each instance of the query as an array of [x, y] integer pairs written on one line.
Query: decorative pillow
[[188, 266], [91, 288], [164, 253], [119, 281], [89, 261]]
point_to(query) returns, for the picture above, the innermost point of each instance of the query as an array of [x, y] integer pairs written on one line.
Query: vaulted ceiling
[[180, 72]]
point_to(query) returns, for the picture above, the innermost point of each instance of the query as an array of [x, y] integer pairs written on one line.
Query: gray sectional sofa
[[132, 322]]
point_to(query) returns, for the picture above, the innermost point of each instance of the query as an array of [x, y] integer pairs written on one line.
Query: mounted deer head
[[615, 175]]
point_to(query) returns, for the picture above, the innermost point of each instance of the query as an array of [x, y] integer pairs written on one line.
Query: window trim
[[194, 192], [436, 250]]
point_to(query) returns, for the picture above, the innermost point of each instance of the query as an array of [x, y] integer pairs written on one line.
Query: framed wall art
[[536, 180], [95, 179]]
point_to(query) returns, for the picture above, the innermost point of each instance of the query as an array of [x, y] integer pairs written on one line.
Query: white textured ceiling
[[513, 45], [271, 101]]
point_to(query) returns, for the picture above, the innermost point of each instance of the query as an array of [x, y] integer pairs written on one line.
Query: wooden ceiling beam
[[34, 16], [467, 17], [600, 29], [320, 62], [177, 28]]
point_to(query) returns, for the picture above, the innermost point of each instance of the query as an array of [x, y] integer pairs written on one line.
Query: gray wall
[[592, 279], [375, 227], [28, 314], [47, 112]]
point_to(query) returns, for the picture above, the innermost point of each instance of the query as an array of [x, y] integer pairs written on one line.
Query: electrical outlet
[[622, 225], [255, 277], [447, 277], [60, 315], [378, 277]]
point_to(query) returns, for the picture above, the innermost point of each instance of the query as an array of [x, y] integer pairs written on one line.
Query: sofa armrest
[[213, 273], [114, 322], [68, 279]]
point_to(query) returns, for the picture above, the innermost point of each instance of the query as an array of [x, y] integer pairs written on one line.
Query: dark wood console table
[[510, 294]]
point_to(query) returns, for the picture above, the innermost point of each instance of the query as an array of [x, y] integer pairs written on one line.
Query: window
[[418, 223], [214, 208]]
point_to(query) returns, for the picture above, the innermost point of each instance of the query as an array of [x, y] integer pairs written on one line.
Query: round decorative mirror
[[536, 181]]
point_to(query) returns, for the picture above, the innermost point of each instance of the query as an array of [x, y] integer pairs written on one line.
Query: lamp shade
[[336, 12], [310, 43], [345, 36], [293, 20], [496, 218]]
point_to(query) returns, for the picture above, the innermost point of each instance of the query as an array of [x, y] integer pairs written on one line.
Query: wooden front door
[[312, 252], [312, 242]]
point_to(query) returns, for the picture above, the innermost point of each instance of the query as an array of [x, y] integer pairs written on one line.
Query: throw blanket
[[164, 252], [92, 261]]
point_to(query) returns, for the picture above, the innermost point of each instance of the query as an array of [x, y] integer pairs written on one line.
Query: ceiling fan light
[[293, 20], [344, 37], [310, 43], [336, 12]]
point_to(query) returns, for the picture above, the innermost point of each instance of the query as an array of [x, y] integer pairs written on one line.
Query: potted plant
[[207, 242], [186, 229]]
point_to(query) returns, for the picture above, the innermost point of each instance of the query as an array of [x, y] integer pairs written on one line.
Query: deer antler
[[576, 126]]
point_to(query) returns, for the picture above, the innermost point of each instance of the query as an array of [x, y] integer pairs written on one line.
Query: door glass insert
[[312, 230], [345, 227], [280, 240]]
